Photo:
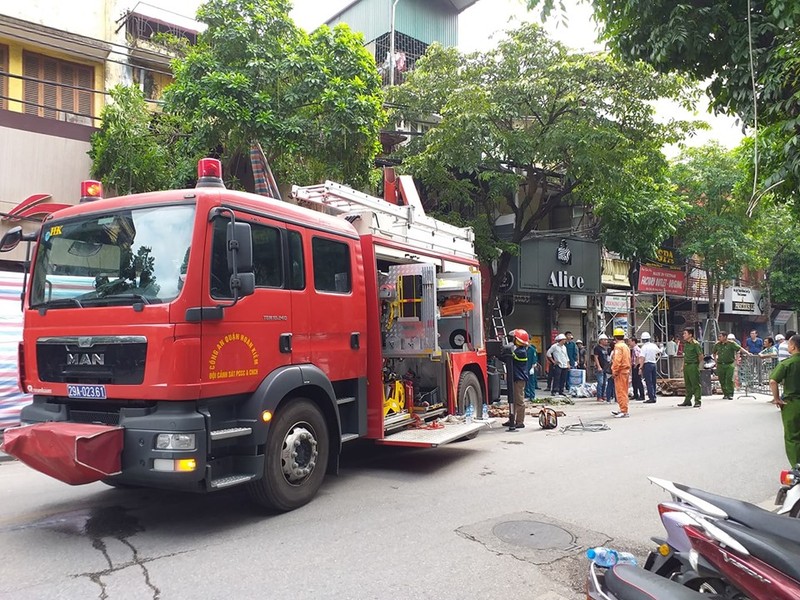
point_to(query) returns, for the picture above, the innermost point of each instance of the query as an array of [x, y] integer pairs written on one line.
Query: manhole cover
[[534, 534]]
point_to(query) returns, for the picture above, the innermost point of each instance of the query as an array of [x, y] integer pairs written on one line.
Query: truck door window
[[297, 275], [331, 266], [267, 258]]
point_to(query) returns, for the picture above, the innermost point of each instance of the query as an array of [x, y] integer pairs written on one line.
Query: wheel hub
[[298, 454]]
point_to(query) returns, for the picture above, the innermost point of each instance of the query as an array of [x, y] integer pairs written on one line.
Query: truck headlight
[[175, 441]]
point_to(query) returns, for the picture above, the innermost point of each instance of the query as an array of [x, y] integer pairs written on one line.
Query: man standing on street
[[520, 378], [788, 373], [648, 357], [724, 353], [754, 343], [532, 365], [636, 371], [783, 347], [692, 357], [572, 350], [621, 370], [601, 365], [559, 362]]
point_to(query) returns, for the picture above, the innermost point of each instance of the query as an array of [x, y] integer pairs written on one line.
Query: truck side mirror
[[243, 284], [11, 239], [239, 240]]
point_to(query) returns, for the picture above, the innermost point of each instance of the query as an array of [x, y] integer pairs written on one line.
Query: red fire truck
[[203, 338]]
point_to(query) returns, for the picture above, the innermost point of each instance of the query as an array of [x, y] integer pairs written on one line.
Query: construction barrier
[[11, 399], [752, 375]]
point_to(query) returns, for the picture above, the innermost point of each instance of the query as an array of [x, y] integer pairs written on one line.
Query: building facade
[[56, 67]]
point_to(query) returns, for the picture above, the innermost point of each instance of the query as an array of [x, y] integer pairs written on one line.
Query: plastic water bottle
[[485, 414], [468, 414], [607, 557]]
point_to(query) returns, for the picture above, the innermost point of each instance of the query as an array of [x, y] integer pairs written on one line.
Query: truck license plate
[[89, 392]]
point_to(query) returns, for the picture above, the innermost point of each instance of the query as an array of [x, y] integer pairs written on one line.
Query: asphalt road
[[504, 515]]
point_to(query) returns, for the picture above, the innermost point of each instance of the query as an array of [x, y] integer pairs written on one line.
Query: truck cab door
[[253, 337]]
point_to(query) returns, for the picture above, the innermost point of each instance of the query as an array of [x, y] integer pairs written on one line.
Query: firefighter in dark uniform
[[692, 357], [519, 376]]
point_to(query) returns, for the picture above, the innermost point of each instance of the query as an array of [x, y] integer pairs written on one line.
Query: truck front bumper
[[74, 453], [127, 435]]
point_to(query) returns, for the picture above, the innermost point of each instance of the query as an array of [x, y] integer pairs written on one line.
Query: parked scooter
[[725, 547], [629, 582], [760, 566], [789, 495]]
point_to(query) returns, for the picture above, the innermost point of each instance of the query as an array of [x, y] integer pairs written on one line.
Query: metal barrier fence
[[753, 375]]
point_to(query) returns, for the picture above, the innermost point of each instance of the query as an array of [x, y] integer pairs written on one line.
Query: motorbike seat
[[774, 550], [751, 515], [629, 582]]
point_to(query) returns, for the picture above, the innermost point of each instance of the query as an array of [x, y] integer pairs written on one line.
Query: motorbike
[[725, 547], [629, 582], [788, 497]]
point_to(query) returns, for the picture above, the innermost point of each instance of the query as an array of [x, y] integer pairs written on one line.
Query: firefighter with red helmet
[[519, 377]]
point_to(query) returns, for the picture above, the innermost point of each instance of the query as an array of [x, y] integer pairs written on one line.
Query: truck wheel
[[469, 392], [296, 457]]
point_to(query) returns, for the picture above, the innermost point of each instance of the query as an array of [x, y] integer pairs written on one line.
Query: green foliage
[[125, 155], [314, 102], [716, 228], [711, 41], [528, 126], [785, 276]]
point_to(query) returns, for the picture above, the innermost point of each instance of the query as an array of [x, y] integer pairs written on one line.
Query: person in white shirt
[[648, 357], [559, 362], [783, 347], [672, 347]]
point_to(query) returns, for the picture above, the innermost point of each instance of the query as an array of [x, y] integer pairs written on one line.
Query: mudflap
[[75, 453]]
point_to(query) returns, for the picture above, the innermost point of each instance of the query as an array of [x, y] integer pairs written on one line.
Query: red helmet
[[521, 337]]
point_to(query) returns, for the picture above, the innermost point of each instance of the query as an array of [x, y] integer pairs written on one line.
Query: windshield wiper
[[57, 303], [112, 298]]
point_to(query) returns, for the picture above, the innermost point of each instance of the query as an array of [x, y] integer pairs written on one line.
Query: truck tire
[[296, 458], [469, 392]]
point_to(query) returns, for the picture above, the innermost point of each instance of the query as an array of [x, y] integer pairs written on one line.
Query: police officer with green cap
[[788, 373], [692, 357], [724, 353]]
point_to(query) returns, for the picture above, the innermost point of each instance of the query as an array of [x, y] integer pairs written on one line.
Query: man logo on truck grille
[[81, 359]]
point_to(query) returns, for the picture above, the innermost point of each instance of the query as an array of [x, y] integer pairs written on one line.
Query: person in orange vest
[[621, 370]]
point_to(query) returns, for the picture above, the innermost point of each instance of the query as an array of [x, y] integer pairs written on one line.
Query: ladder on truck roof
[[405, 223]]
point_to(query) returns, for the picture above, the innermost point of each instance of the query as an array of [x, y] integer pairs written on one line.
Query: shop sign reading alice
[[573, 270]]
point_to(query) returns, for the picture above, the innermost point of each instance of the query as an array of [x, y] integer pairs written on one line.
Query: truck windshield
[[133, 256]]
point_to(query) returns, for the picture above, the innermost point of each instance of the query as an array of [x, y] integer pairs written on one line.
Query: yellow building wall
[[15, 84]]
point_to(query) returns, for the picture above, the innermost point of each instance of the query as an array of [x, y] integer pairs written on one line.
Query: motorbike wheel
[[795, 512]]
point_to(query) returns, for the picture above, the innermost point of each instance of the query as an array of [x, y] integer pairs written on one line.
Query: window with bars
[[57, 89], [3, 78]]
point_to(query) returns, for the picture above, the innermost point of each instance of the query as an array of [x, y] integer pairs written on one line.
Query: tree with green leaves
[[137, 150], [748, 51], [716, 229], [314, 102], [527, 127]]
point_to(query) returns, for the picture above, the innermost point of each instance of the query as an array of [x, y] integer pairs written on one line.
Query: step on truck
[[205, 338]]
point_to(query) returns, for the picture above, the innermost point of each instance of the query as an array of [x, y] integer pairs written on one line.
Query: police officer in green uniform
[[788, 373], [692, 357], [724, 352]]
